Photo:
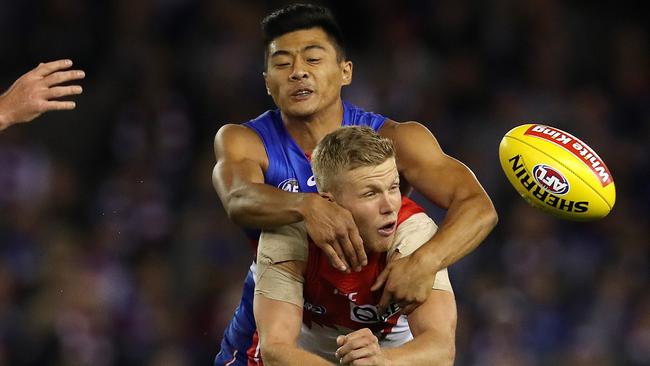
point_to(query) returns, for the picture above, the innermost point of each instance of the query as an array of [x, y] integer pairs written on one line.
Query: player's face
[[373, 197], [302, 73]]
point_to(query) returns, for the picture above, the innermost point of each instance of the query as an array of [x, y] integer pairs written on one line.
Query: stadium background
[[114, 249]]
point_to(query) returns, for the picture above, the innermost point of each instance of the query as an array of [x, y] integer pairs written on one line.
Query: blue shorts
[[238, 338]]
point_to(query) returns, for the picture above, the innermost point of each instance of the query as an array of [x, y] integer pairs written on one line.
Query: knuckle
[[40, 106]]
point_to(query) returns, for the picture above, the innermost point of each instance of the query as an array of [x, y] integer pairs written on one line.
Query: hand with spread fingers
[[333, 230], [37, 91]]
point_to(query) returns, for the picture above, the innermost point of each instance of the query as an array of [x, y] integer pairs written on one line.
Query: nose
[[389, 203], [298, 71]]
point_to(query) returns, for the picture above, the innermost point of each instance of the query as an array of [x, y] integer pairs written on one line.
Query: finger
[[336, 258], [381, 279], [63, 76], [340, 340], [385, 299], [45, 69], [357, 354], [351, 344], [357, 244], [62, 91], [395, 255], [58, 106], [350, 253]]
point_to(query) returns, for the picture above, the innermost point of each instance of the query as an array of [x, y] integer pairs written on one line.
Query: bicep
[[423, 163], [240, 159]]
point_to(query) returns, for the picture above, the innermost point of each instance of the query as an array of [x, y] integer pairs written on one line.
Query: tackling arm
[[238, 178], [449, 184]]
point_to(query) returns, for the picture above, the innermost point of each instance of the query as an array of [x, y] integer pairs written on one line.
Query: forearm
[[281, 354], [425, 349], [262, 206], [5, 121], [467, 223]]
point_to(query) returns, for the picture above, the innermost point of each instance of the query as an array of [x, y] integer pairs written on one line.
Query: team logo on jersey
[[311, 181], [316, 309], [369, 314], [550, 179], [289, 185]]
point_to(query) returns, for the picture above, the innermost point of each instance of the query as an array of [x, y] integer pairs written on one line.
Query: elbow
[[270, 354], [492, 217], [489, 215], [234, 214], [233, 207], [448, 357]]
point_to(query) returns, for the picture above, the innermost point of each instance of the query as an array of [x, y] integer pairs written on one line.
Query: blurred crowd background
[[115, 250]]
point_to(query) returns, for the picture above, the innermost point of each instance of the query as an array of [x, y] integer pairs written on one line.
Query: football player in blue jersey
[[262, 173], [35, 92]]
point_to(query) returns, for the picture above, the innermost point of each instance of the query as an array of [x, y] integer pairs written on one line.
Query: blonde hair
[[345, 149]]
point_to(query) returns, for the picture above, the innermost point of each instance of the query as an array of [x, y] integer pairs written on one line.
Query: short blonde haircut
[[345, 149]]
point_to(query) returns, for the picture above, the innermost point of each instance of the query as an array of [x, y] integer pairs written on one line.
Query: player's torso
[[289, 168], [337, 303]]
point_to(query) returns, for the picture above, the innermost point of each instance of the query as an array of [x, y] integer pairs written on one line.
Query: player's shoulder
[[235, 134], [236, 141], [413, 232], [396, 129], [245, 130]]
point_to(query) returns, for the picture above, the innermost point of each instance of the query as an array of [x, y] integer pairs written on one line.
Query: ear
[[327, 195], [346, 72], [264, 74]]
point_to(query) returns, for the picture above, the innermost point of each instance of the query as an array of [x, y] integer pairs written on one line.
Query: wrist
[[5, 121], [426, 256], [304, 204]]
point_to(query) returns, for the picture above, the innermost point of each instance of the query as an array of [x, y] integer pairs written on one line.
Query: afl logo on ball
[[550, 179], [289, 185]]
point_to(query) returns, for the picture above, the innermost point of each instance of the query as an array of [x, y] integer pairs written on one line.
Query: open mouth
[[387, 229], [302, 93]]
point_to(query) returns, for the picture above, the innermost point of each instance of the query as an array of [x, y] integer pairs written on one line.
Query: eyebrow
[[306, 48]]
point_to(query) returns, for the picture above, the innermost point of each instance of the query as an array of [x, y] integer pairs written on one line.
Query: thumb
[[381, 279], [340, 340], [395, 255]]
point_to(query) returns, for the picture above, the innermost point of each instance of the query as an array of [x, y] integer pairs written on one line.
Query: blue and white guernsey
[[289, 169]]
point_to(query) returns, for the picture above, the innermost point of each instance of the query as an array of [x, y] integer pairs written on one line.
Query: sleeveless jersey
[[289, 168]]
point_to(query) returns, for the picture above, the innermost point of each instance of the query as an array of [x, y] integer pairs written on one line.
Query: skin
[[34, 92], [308, 59], [372, 195]]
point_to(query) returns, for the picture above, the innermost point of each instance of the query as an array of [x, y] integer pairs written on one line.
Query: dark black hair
[[302, 16]]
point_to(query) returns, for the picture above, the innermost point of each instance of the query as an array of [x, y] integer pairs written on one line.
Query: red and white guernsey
[[337, 303]]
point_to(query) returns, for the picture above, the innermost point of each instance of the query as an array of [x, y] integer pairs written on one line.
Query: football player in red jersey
[[339, 313]]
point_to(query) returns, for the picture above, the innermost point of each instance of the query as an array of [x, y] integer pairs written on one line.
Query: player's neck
[[308, 131]]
